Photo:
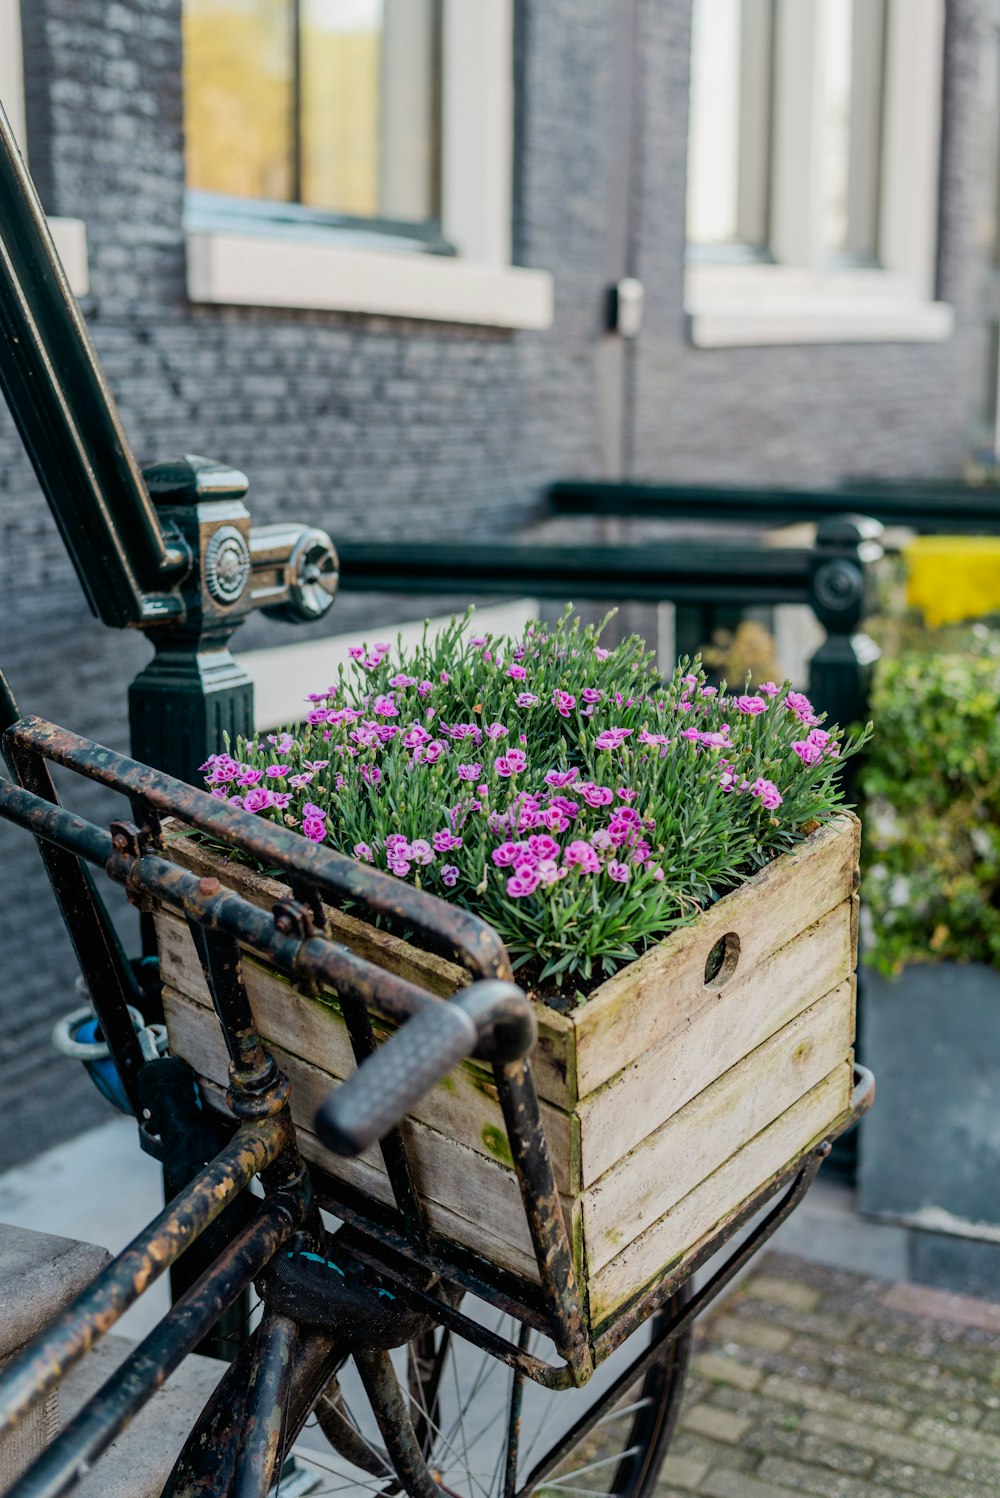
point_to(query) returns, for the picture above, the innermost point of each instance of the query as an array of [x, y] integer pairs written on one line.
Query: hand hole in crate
[[722, 960]]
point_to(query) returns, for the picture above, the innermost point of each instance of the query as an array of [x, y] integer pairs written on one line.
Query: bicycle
[[430, 1328]]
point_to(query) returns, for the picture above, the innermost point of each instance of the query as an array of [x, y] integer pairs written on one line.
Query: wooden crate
[[667, 1101]]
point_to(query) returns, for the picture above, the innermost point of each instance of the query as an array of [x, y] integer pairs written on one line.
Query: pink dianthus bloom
[[314, 829], [527, 699], [596, 795], [469, 772], [563, 702], [399, 867], [543, 846], [275, 772], [522, 883], [592, 694], [582, 855], [601, 653], [444, 841], [364, 852], [510, 763], [505, 855], [356, 652], [449, 875], [548, 871], [424, 689], [415, 736], [799, 704], [385, 707], [428, 754], [421, 851], [496, 731], [767, 791], [371, 774], [769, 689], [619, 872], [250, 777], [516, 673], [561, 777], [400, 681], [809, 754], [568, 808], [257, 799], [752, 706], [612, 738], [300, 781]]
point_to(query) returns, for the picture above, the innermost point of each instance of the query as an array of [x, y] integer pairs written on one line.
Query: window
[[70, 234], [324, 136], [812, 171], [330, 104]]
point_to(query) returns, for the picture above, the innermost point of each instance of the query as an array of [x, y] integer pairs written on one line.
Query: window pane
[[239, 88], [369, 107], [852, 74], [730, 113]]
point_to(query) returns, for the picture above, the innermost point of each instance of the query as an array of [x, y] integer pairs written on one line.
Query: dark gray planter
[[929, 1150]]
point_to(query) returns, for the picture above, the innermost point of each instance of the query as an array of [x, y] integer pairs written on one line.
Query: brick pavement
[[814, 1381]]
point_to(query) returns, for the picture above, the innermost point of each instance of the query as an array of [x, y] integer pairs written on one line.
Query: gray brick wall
[[381, 427]]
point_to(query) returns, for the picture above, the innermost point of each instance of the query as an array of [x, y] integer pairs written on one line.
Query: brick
[[745, 1331], [720, 1425], [683, 1472], [718, 1368], [881, 1442], [818, 1481], [726, 1484], [829, 1402], [942, 1305], [902, 1476], [958, 1438], [782, 1292]]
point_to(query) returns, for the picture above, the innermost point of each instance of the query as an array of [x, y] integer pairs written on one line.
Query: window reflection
[[852, 45]]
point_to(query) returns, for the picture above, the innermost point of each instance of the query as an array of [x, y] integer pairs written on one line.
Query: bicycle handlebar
[[389, 1083]]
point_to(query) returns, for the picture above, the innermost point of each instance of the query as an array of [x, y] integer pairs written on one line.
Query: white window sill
[[262, 271], [70, 235], [729, 306]]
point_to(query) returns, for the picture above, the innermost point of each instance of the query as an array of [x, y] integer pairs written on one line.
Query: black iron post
[[841, 592]]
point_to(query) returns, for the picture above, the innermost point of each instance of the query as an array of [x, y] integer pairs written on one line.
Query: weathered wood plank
[[715, 1125], [665, 988], [802, 1126], [478, 1198], [635, 1102], [464, 1105]]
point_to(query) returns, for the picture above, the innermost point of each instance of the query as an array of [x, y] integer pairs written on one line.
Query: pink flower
[[563, 702], [527, 699], [561, 777], [767, 791], [554, 819], [612, 738], [601, 653], [402, 681], [356, 652], [415, 736], [280, 799], [809, 754], [315, 813], [516, 673], [421, 851], [300, 781], [543, 846], [625, 793], [399, 867], [657, 873], [496, 731], [428, 754], [364, 852], [444, 677], [449, 875], [505, 855], [469, 772], [371, 774], [257, 799], [769, 689], [385, 707], [274, 772], [596, 795], [583, 856], [444, 841], [250, 777], [548, 871], [524, 882], [591, 694], [652, 738], [510, 763], [619, 872], [752, 706], [314, 829], [799, 704], [425, 688]]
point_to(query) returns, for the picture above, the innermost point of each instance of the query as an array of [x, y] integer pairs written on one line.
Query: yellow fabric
[[953, 578]]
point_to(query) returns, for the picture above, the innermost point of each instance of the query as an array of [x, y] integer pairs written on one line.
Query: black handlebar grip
[[395, 1077]]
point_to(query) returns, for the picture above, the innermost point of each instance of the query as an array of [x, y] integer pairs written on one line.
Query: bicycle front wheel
[[487, 1433]]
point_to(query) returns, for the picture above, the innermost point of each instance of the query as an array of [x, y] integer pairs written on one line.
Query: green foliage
[[931, 788]]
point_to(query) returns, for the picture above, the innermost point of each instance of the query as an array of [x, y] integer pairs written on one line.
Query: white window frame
[[70, 234], [330, 269], [798, 299]]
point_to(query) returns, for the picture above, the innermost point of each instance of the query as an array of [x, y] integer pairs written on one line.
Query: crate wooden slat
[[666, 1099]]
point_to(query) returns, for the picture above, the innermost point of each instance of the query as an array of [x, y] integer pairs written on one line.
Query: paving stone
[[903, 1477], [720, 1425], [788, 1438], [727, 1484], [974, 1442], [822, 1483], [745, 1331], [721, 1369], [792, 1294], [829, 1402], [684, 1472], [713, 1453], [881, 1442]]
